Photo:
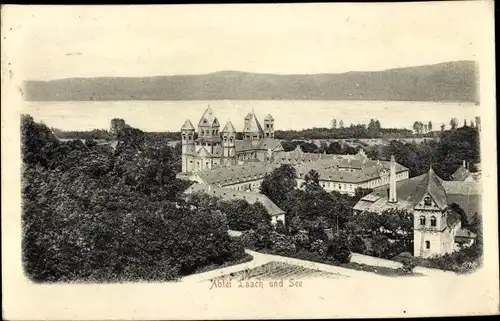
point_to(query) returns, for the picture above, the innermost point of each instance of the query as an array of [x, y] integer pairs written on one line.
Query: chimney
[[392, 182]]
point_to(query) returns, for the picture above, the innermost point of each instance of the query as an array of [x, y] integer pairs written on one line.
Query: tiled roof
[[209, 116], [236, 174], [452, 218], [462, 233], [203, 152], [187, 125], [243, 145], [211, 139], [410, 192], [344, 168], [466, 194], [462, 188], [460, 174], [270, 143], [263, 144], [269, 117], [229, 128], [228, 195], [252, 125], [435, 189]]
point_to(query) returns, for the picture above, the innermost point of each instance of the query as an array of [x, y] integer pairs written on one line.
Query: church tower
[[269, 126], [252, 129], [433, 234], [187, 135], [228, 143], [208, 132]]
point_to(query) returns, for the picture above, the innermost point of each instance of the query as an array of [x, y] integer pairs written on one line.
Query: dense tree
[[453, 123], [279, 185], [240, 215], [94, 214], [337, 249], [117, 125]]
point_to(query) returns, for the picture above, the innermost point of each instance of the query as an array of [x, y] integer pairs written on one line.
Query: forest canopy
[[91, 213]]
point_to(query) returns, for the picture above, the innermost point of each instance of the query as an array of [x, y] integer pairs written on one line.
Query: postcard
[[262, 161]]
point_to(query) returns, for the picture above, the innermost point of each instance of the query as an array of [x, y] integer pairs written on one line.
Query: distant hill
[[450, 81]]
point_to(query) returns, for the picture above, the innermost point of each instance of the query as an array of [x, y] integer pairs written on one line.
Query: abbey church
[[215, 148]]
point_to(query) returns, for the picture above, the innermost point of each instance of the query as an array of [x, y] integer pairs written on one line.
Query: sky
[[93, 41]]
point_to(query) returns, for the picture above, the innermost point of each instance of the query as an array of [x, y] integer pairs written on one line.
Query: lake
[[298, 114]]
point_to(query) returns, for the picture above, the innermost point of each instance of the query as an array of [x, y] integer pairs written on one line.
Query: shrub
[[338, 250], [357, 244], [284, 245], [301, 241], [280, 227], [318, 246], [409, 264], [248, 239]]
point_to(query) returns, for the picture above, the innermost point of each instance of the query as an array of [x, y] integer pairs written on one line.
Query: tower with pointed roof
[[435, 224], [187, 138], [269, 126], [228, 144], [208, 142], [252, 129]]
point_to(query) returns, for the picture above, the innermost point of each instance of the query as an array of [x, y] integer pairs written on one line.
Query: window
[[427, 201], [267, 125], [428, 245], [422, 220], [433, 221]]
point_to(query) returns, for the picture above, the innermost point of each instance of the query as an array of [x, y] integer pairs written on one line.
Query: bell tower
[[269, 126], [228, 143], [187, 136]]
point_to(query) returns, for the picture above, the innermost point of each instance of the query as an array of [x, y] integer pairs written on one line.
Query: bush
[[357, 244], [301, 241], [338, 250], [283, 244], [409, 264], [318, 246], [280, 227], [248, 239]]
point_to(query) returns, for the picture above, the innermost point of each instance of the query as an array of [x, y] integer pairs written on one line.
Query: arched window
[[422, 220], [231, 139], [427, 201], [183, 136], [433, 221], [428, 245]]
